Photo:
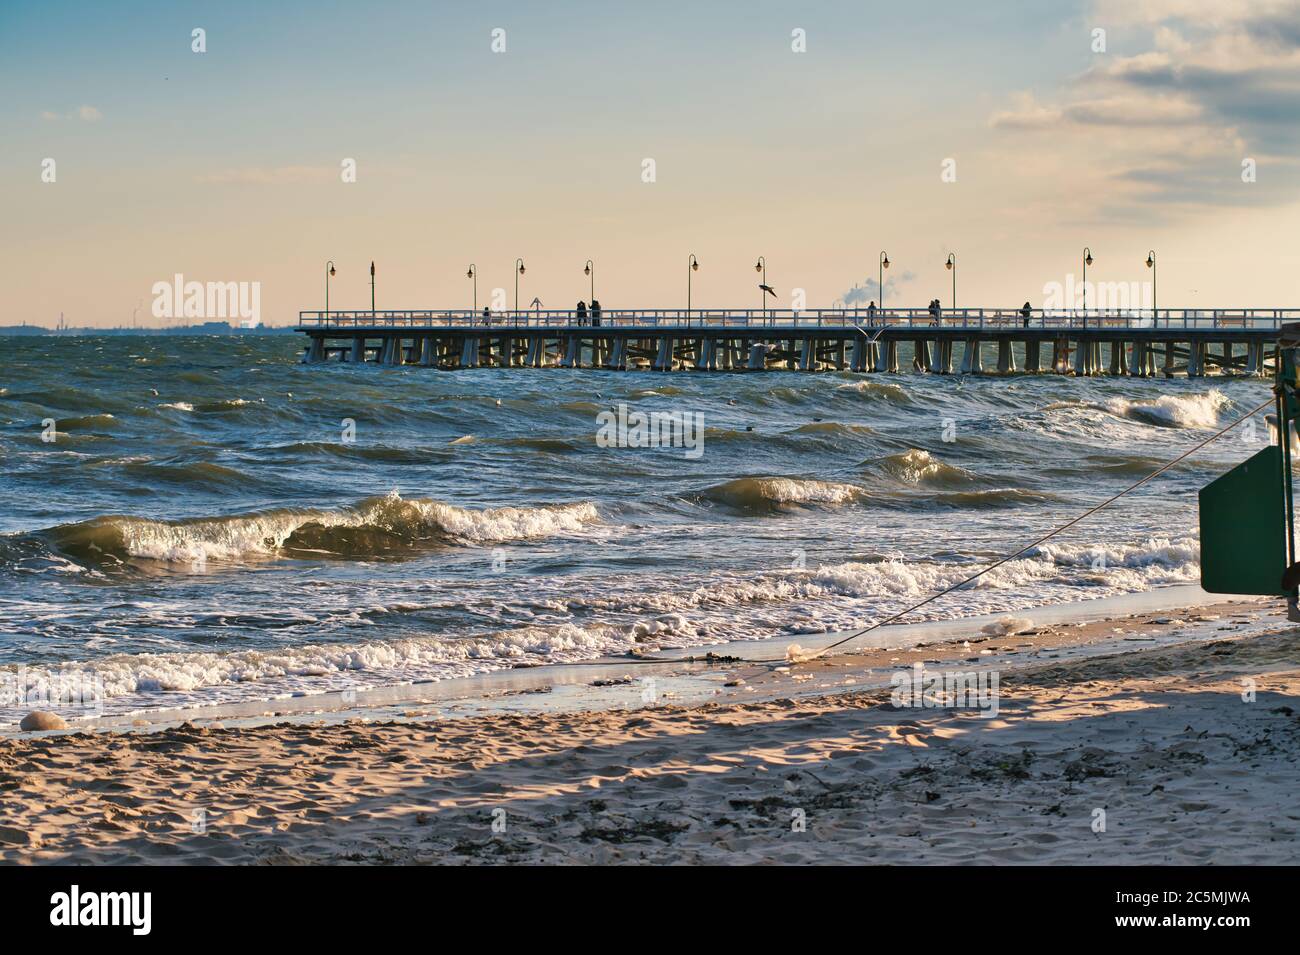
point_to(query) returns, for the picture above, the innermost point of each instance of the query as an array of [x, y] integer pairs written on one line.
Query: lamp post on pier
[[372, 287], [1087, 261], [590, 270], [761, 266], [329, 270], [952, 267], [880, 281], [473, 274], [519, 270], [1151, 264], [692, 265]]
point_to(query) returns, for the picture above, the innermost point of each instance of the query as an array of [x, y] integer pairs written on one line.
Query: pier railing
[[1253, 319]]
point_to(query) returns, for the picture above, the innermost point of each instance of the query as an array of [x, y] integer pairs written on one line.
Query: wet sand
[[1138, 723]]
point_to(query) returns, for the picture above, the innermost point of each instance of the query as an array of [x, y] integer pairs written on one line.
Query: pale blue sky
[[225, 165]]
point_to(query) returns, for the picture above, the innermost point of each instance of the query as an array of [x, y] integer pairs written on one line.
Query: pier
[[1191, 342]]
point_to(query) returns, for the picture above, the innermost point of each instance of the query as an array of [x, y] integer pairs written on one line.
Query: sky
[[1009, 134]]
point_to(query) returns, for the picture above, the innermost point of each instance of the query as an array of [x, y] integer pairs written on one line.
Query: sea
[[201, 521]]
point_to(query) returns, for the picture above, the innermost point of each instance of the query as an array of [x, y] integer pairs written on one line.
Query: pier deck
[[1139, 343]]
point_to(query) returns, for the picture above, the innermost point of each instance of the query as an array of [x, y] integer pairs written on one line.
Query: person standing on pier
[[871, 312], [595, 312], [1025, 312], [581, 312]]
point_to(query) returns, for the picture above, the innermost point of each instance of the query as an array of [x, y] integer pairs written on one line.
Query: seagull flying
[[767, 289]]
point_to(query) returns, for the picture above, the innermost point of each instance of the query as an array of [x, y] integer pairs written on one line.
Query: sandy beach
[[1108, 746]]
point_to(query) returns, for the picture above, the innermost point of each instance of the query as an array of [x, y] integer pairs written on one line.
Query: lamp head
[[885, 262], [586, 270], [695, 265], [332, 270], [758, 266], [521, 268], [1087, 259], [1151, 260]]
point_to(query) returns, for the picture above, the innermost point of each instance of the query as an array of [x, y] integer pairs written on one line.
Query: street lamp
[[372, 286], [1087, 261], [473, 274], [952, 267], [519, 270], [1151, 264], [329, 270], [761, 266], [590, 269], [880, 280], [692, 265]]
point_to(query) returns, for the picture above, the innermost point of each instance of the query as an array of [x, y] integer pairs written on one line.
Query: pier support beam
[[972, 362], [941, 360], [1033, 356], [618, 355], [664, 360], [392, 351], [808, 355], [572, 352], [921, 355], [428, 351], [858, 355], [1195, 359], [358, 349], [1006, 357], [758, 356], [469, 352], [1255, 358], [887, 357], [1116, 359]]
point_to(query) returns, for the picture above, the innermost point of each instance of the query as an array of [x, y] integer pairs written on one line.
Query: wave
[[920, 467], [198, 474], [404, 658], [1172, 411], [619, 618], [102, 420], [876, 389], [775, 493], [374, 527], [833, 428], [994, 497]]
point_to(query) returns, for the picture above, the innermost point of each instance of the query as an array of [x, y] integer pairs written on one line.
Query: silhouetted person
[[582, 313], [595, 312], [871, 311], [487, 315], [1025, 312], [934, 311]]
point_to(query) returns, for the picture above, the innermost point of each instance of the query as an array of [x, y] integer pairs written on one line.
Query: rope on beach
[[1046, 537], [710, 658]]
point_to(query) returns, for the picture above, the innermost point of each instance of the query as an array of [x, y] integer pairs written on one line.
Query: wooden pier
[[960, 341]]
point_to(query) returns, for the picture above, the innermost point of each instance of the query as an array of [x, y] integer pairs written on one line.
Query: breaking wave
[[372, 528], [776, 493]]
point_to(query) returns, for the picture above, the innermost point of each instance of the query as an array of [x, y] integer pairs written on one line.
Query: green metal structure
[[1247, 525]]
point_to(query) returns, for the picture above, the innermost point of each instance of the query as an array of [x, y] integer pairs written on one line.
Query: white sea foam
[[252, 535], [622, 615], [1172, 411]]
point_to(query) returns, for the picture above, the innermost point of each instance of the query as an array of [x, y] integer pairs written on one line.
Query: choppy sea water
[[207, 527]]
